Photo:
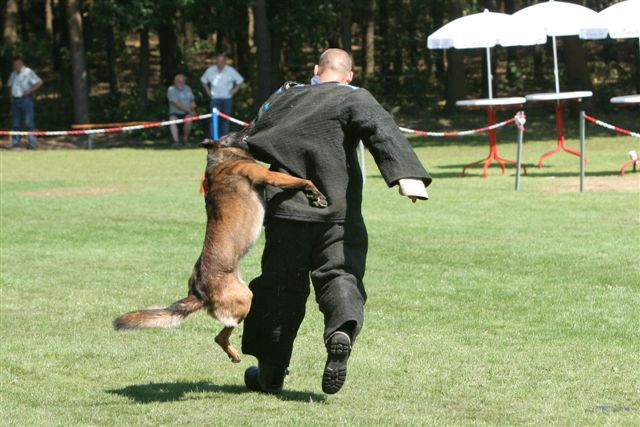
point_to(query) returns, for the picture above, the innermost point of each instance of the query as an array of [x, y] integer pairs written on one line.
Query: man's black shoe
[[335, 371], [251, 378], [264, 378]]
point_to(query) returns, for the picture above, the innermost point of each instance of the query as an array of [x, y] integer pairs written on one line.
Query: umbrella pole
[[555, 64], [489, 75]]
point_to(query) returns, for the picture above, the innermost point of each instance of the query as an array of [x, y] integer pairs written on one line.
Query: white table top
[[562, 96], [626, 99], [491, 102]]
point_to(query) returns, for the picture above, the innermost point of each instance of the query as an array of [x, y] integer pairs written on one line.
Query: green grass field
[[486, 306]]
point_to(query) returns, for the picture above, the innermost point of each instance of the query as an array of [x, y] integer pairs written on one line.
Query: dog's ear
[[210, 144]]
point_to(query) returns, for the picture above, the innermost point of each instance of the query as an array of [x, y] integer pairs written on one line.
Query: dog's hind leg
[[222, 339]]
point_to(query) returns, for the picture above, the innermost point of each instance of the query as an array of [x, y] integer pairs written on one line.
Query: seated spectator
[[181, 104]]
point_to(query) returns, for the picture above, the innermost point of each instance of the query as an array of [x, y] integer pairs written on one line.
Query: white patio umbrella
[[486, 30], [620, 21], [558, 19]]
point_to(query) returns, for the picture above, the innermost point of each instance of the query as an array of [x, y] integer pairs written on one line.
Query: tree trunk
[[369, 39], [385, 40], [437, 11], [263, 44], [276, 60], [456, 88], [345, 25], [575, 59], [112, 61], [78, 63], [220, 41], [143, 71], [187, 44], [48, 20], [242, 40], [637, 56], [512, 66], [60, 34], [398, 11], [538, 65], [24, 22], [9, 36], [169, 55], [414, 47]]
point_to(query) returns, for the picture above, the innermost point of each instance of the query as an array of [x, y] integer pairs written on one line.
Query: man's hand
[[207, 90], [34, 88]]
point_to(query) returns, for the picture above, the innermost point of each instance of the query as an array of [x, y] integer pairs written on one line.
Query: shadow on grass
[[171, 392]]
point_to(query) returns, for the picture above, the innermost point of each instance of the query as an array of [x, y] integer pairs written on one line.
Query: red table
[[559, 99], [491, 105], [627, 101]]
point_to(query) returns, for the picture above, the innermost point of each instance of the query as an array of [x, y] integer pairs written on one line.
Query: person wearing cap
[[312, 132]]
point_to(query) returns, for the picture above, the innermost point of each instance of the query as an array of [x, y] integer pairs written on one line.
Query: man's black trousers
[[333, 256]]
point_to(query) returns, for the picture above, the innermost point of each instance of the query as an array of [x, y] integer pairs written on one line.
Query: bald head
[[334, 66]]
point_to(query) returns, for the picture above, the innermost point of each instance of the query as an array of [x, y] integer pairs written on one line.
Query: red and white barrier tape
[[519, 119], [611, 127], [106, 130], [231, 119]]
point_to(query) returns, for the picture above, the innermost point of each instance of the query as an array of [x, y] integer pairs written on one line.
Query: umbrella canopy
[[620, 21], [558, 18], [486, 30]]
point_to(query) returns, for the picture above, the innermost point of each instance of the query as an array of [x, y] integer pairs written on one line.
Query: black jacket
[[312, 132]]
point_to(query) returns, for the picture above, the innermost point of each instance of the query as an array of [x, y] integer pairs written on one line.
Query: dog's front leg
[[222, 339], [261, 176]]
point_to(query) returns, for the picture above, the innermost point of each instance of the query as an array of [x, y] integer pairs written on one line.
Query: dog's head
[[230, 146], [230, 140]]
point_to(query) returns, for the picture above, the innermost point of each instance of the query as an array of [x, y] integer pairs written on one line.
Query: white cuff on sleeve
[[413, 188]]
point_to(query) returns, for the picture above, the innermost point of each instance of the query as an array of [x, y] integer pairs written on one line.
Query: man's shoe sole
[[335, 370]]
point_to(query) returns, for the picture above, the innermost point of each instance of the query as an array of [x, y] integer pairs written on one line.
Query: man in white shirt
[[221, 82], [23, 82]]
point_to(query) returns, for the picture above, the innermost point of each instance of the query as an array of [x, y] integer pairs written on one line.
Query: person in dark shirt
[[312, 132]]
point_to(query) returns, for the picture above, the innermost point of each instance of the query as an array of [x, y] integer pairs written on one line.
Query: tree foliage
[[134, 48]]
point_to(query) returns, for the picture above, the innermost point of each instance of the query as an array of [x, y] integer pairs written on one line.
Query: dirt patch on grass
[[80, 191], [629, 183]]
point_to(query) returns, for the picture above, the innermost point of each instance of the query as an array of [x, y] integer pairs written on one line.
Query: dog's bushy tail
[[168, 317]]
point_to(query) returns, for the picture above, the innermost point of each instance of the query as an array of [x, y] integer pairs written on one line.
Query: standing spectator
[[181, 104], [221, 82], [23, 82]]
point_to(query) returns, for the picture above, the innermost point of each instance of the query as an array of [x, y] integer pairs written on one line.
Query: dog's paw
[[317, 200]]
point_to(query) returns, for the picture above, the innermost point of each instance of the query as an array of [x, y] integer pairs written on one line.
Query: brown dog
[[235, 212]]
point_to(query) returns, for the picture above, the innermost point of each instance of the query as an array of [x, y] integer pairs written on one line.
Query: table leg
[[560, 136], [493, 149]]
